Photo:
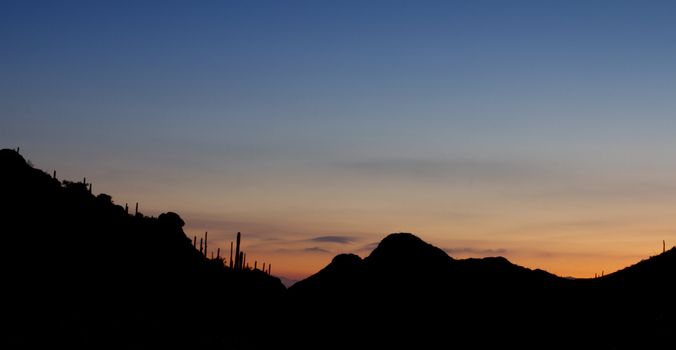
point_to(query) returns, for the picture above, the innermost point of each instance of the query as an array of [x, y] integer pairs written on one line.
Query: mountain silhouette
[[421, 297], [404, 261], [79, 271]]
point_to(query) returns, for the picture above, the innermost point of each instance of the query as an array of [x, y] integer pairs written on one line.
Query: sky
[[542, 131]]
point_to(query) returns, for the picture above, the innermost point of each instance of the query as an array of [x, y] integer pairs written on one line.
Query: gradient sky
[[543, 131]]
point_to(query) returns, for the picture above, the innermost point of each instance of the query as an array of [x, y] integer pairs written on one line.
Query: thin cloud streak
[[334, 239], [303, 250], [476, 251], [458, 169]]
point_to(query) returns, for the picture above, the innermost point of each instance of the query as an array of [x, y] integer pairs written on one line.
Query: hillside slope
[[79, 271]]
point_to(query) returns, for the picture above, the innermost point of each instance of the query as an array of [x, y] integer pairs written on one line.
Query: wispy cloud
[[262, 229], [316, 250], [476, 251], [630, 190], [334, 239], [447, 169], [303, 250], [547, 254]]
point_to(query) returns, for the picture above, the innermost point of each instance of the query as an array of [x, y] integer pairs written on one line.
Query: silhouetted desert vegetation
[[79, 271]]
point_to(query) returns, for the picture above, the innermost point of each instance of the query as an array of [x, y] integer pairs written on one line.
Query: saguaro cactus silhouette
[[230, 254], [206, 234], [238, 256]]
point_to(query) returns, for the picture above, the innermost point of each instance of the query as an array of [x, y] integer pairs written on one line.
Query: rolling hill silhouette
[[404, 262], [421, 297], [79, 271]]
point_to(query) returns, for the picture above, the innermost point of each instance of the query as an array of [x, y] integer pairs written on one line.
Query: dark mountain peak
[[344, 260], [19, 176], [498, 269], [401, 238], [12, 159], [344, 271], [171, 219], [406, 249], [342, 264], [494, 260]]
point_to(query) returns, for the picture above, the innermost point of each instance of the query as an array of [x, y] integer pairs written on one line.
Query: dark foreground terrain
[[79, 271]]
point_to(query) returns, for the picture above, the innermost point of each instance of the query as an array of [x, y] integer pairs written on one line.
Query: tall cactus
[[238, 256], [230, 254], [201, 249], [205, 243], [218, 253], [194, 242]]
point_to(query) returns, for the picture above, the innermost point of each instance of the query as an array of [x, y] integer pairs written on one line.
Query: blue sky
[[468, 122]]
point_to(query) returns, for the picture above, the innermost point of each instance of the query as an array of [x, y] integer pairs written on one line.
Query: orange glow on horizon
[[300, 259]]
